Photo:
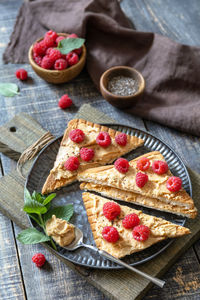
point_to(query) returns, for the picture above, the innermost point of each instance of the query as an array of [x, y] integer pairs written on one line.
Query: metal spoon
[[78, 242]]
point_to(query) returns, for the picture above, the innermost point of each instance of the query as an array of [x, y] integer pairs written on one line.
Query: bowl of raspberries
[[58, 57]]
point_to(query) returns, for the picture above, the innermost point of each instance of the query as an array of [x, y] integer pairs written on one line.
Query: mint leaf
[[61, 212], [35, 218], [33, 207], [38, 197], [8, 89], [49, 199], [67, 45], [32, 236]]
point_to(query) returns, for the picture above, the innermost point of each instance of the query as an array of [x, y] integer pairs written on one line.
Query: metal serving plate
[[72, 194]]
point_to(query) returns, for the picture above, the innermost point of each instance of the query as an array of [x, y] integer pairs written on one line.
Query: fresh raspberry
[[174, 184], [72, 35], [78, 51], [72, 163], [110, 234], [143, 163], [40, 48], [103, 139], [72, 58], [38, 60], [55, 54], [111, 210], [77, 135], [39, 259], [47, 62], [141, 179], [59, 38], [49, 42], [160, 167], [86, 154], [141, 233], [21, 74], [65, 101], [131, 221], [121, 139], [52, 34], [122, 165], [49, 50], [60, 64]]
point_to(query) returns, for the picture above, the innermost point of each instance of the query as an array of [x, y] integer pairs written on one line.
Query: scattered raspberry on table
[[111, 210], [21, 74], [110, 234], [72, 163], [39, 259], [65, 102], [122, 165]]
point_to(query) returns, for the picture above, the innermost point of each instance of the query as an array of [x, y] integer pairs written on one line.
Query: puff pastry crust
[[160, 229], [154, 188], [60, 177]]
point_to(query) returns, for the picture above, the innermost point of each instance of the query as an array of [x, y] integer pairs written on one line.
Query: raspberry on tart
[[110, 234], [111, 210], [130, 221], [141, 233], [143, 164], [103, 139], [160, 167], [72, 163], [121, 139], [122, 165], [86, 154], [141, 179], [174, 184], [77, 135]]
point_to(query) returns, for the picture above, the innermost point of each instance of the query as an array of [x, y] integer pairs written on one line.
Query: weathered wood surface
[[176, 19]]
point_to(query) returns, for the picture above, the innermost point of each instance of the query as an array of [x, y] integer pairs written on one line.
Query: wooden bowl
[[55, 76], [117, 100]]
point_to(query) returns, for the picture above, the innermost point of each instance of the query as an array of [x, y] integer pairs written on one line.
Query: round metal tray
[[72, 194]]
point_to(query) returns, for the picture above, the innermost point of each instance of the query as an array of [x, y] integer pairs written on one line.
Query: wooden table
[[19, 278]]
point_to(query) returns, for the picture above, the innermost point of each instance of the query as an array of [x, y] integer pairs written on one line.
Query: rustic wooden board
[[114, 284]]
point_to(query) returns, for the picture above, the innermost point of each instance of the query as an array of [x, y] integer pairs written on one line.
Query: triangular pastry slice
[[60, 177], [137, 199], [160, 229], [154, 188]]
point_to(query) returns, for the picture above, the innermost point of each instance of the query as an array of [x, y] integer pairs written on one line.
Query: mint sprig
[[38, 207], [67, 45]]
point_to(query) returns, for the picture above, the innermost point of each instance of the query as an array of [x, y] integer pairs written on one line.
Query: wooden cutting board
[[21, 132]]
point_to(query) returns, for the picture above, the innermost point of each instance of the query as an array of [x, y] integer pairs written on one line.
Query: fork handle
[[155, 280]]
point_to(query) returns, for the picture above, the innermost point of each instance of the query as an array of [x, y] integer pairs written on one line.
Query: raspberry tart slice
[[94, 145], [113, 237]]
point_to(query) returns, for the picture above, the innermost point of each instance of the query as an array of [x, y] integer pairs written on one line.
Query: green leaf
[[32, 236], [49, 199], [8, 89], [67, 45], [38, 197], [61, 212], [35, 218], [33, 207]]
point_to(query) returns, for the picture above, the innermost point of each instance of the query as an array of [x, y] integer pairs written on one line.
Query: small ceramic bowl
[[55, 76], [117, 100]]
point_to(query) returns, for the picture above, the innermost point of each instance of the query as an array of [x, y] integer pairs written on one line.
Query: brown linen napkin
[[171, 70]]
